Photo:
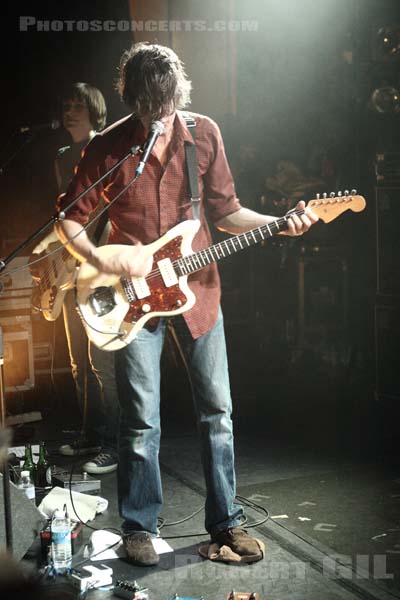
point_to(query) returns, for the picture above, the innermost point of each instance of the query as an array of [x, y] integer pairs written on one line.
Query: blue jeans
[[138, 376], [92, 369]]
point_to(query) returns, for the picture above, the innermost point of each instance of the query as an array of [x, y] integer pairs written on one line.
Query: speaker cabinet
[[322, 298], [27, 521], [387, 347], [388, 240], [18, 353]]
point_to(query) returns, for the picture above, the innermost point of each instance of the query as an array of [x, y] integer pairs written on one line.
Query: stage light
[[388, 39], [386, 100]]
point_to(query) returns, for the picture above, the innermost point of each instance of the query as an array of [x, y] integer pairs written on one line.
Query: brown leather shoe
[[238, 540], [140, 549]]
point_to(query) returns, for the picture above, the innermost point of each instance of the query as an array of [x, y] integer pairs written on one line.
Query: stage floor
[[333, 529]]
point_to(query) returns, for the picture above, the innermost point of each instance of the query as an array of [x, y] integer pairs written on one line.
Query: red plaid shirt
[[159, 199]]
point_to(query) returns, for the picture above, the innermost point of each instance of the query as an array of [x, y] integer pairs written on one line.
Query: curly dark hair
[[92, 98], [152, 80]]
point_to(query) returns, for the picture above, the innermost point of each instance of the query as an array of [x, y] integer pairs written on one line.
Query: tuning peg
[[325, 195], [318, 196], [332, 194], [339, 194], [353, 192], [346, 192]]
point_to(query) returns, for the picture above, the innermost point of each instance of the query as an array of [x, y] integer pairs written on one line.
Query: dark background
[[313, 346]]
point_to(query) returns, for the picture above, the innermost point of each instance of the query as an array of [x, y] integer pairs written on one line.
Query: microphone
[[54, 124], [156, 129]]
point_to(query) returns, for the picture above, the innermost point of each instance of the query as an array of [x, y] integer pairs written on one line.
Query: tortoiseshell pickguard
[[162, 298]]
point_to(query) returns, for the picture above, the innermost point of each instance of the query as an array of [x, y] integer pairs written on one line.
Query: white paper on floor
[[100, 542]]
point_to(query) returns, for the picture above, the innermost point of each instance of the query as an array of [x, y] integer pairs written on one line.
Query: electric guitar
[[55, 274], [114, 309]]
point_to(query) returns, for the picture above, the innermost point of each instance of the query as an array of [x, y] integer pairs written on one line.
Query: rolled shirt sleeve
[[219, 187]]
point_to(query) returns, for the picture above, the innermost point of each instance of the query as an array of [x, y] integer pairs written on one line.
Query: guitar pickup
[[141, 287], [167, 271]]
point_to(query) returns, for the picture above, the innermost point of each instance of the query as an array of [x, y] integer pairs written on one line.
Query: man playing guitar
[[154, 85]]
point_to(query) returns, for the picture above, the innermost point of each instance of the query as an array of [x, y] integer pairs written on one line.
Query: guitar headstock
[[330, 207]]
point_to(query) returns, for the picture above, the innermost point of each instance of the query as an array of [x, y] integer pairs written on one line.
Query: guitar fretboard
[[199, 260]]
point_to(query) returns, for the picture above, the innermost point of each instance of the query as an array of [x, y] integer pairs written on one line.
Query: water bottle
[[27, 485], [61, 550]]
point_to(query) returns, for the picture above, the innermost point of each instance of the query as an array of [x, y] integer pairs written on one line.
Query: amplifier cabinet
[[18, 353], [388, 240], [387, 347]]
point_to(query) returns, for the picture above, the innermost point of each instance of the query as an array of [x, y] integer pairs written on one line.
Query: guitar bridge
[[102, 301]]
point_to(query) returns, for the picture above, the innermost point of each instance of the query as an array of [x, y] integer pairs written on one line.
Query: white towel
[[86, 506]]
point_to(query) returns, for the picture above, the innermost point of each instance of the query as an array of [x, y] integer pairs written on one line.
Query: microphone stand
[[60, 215], [4, 443]]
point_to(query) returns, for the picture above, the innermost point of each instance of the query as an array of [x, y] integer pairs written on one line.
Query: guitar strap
[[191, 167], [98, 232]]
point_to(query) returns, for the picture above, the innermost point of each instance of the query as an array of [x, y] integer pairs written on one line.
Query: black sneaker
[[140, 549], [79, 448], [105, 462]]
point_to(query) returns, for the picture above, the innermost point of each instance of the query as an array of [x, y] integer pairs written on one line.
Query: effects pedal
[[81, 482], [130, 590], [91, 577], [242, 596], [178, 597]]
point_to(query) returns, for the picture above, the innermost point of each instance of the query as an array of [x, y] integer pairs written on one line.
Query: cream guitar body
[[113, 309]]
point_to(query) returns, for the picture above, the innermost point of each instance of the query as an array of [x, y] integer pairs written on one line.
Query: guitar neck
[[203, 258]]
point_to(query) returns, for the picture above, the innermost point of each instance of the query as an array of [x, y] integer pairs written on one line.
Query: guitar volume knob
[[146, 307]]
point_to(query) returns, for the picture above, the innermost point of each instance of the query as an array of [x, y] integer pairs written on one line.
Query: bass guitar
[[56, 273]]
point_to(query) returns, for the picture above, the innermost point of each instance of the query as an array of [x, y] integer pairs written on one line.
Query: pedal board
[[80, 482]]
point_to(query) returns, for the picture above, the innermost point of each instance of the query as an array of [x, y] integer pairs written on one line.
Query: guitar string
[[317, 203], [65, 255], [243, 237], [155, 273], [47, 271]]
